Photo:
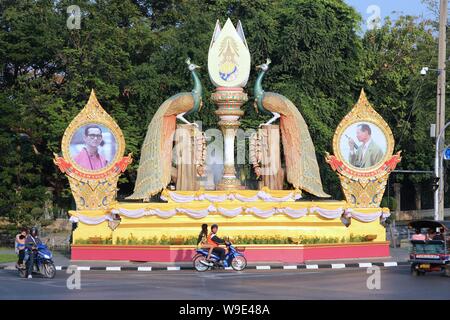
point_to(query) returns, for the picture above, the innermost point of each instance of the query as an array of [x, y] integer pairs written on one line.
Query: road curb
[[336, 266]]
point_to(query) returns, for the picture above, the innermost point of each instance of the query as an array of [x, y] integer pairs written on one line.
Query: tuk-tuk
[[429, 255]]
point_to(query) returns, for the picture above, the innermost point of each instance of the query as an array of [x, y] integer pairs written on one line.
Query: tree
[[393, 58], [132, 53]]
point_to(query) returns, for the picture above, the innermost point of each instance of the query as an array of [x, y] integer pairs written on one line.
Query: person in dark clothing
[[31, 243], [439, 235], [215, 241]]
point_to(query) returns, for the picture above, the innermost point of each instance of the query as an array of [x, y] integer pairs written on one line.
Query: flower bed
[[192, 240]]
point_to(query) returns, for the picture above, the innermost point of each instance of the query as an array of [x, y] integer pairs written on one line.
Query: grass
[[8, 257]]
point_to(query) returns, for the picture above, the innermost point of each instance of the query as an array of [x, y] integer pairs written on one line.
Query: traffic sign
[[447, 153]]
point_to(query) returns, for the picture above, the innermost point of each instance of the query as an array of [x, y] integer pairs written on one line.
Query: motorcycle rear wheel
[[22, 272], [200, 267]]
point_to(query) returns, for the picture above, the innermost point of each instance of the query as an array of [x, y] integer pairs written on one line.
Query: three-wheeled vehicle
[[430, 255]]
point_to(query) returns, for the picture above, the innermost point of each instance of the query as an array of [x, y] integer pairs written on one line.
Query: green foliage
[[132, 53], [393, 58], [389, 202], [238, 240]]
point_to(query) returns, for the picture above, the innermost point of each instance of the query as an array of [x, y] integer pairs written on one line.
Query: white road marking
[[337, 265], [113, 268], [365, 265], [390, 264], [83, 268], [312, 266], [173, 268], [289, 267], [144, 268], [262, 267]]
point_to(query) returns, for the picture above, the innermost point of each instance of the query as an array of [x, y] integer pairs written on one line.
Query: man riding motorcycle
[[215, 241], [31, 243]]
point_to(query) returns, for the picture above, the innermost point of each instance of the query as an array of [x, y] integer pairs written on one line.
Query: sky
[[369, 8]]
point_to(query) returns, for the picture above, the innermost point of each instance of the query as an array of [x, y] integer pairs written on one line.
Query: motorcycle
[[233, 258], [42, 262]]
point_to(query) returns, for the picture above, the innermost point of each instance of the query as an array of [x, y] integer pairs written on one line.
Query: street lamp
[[437, 165], [425, 70], [437, 188]]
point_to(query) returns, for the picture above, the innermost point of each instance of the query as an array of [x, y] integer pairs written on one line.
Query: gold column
[[229, 102]]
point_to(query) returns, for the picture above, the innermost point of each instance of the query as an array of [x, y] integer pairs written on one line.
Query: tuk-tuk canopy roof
[[429, 224]]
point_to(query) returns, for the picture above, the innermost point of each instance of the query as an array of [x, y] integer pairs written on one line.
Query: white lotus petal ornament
[[229, 57]]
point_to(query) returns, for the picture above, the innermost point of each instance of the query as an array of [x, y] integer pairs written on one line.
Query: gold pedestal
[[229, 102]]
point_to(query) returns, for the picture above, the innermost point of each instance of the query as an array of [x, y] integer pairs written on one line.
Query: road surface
[[395, 283]]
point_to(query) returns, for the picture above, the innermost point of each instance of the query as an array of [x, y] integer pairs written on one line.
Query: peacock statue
[[155, 164], [302, 170]]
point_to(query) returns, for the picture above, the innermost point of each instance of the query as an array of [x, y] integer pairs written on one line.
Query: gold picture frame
[[93, 113], [93, 189], [363, 112], [363, 187]]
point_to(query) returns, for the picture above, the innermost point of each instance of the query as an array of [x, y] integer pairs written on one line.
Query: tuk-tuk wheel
[[416, 272], [447, 270]]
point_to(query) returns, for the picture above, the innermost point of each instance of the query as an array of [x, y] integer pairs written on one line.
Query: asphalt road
[[396, 283]]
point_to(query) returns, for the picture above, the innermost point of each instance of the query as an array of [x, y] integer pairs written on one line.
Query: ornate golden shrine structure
[[363, 187], [268, 222]]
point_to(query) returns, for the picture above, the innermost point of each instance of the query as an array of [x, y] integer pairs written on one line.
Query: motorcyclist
[[215, 241], [31, 243]]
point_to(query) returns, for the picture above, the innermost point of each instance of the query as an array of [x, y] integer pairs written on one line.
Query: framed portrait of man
[[363, 145], [93, 147]]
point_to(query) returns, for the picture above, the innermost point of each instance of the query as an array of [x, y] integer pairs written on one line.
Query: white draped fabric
[[327, 213], [261, 195], [295, 213], [230, 212], [233, 212], [90, 220], [366, 217], [261, 213]]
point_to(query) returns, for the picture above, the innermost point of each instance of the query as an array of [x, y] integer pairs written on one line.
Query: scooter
[[233, 258], [41, 260]]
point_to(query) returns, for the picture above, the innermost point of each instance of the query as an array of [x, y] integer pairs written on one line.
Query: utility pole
[[440, 109]]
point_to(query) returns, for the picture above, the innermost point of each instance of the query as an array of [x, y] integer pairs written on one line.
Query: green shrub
[[239, 240]]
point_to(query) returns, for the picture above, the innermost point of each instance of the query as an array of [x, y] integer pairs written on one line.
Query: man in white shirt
[[369, 153]]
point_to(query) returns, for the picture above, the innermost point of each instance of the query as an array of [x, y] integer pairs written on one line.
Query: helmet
[[33, 231]]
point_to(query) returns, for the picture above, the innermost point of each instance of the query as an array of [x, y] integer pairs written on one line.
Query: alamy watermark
[[374, 20], [74, 280], [74, 20], [374, 280], [215, 154]]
